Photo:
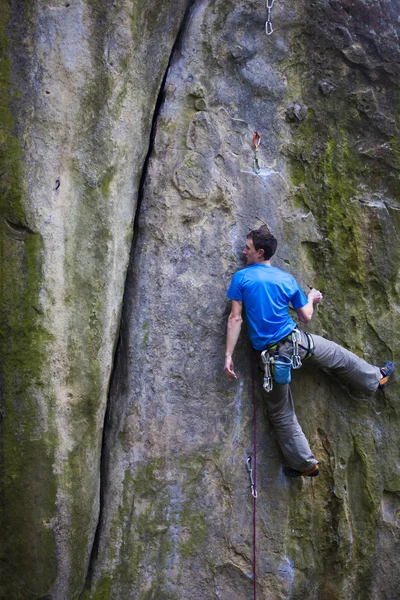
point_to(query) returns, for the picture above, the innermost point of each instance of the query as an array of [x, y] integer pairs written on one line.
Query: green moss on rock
[[28, 437], [332, 177], [195, 527], [344, 170], [143, 533]]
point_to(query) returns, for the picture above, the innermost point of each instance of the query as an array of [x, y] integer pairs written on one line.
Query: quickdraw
[[296, 339], [268, 23], [252, 483], [256, 143], [266, 360]]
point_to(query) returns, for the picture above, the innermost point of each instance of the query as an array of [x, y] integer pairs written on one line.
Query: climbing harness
[[268, 23], [277, 367], [310, 346], [252, 469], [256, 143]]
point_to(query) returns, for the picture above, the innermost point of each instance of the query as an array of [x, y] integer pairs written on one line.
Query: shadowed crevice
[[118, 368], [17, 231]]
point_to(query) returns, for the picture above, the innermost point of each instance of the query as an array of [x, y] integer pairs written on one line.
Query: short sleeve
[[298, 299], [235, 289]]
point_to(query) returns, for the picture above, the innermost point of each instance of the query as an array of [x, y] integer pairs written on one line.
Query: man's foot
[[387, 370], [313, 472]]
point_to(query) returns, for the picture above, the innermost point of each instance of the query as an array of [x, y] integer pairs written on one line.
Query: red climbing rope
[[254, 487]]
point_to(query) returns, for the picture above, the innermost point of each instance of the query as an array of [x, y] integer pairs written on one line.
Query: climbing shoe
[[313, 472], [387, 370]]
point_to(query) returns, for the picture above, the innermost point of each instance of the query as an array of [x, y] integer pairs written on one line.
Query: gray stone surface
[[160, 506], [84, 80]]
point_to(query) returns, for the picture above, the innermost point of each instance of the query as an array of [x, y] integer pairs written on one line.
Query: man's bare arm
[[306, 312], [235, 321]]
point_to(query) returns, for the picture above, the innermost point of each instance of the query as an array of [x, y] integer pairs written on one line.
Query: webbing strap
[[253, 394], [310, 348]]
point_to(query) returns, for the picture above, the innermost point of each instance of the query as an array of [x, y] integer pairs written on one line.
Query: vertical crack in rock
[[119, 344]]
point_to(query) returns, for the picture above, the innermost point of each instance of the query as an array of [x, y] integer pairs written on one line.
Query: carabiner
[[256, 139], [268, 28], [266, 360], [252, 484], [296, 339]]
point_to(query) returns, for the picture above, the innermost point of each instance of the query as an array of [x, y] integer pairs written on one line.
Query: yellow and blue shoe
[[387, 370], [313, 472]]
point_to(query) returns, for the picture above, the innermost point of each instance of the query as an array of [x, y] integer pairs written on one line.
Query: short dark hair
[[263, 239]]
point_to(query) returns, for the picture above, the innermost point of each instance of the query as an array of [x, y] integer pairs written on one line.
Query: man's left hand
[[229, 368]]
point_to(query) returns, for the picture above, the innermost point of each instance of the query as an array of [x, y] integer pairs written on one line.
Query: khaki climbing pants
[[332, 358]]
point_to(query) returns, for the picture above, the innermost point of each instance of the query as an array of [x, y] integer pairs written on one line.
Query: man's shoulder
[[283, 274], [242, 278], [241, 273], [268, 270], [256, 270]]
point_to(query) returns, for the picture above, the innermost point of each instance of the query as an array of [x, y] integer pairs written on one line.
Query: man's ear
[[261, 252]]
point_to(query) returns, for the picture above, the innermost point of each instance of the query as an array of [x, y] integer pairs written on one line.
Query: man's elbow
[[235, 320], [306, 319]]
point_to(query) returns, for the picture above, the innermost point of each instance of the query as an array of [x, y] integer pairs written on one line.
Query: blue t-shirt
[[266, 293]]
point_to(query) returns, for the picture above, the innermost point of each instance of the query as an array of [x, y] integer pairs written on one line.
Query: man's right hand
[[229, 368], [315, 296]]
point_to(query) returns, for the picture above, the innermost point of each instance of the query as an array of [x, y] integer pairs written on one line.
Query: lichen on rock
[[128, 186]]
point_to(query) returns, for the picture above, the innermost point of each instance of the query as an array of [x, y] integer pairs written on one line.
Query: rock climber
[[265, 292]]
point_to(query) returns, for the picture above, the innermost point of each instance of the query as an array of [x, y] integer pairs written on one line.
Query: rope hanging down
[[251, 462], [252, 469]]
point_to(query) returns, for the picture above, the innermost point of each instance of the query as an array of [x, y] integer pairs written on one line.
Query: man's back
[[266, 293]]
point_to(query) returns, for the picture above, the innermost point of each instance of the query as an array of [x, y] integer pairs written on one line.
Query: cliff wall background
[[127, 189]]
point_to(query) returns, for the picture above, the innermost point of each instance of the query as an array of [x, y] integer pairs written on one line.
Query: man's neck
[[264, 262]]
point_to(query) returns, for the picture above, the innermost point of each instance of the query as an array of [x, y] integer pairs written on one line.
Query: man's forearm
[[306, 312], [232, 334]]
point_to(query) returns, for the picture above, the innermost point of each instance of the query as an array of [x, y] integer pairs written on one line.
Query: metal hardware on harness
[[296, 339], [266, 360], [268, 23], [250, 470], [310, 349], [256, 143]]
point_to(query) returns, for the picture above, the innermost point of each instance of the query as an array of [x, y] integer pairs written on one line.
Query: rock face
[[76, 120], [124, 448]]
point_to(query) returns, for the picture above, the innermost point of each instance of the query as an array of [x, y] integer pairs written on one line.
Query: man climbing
[[266, 292]]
